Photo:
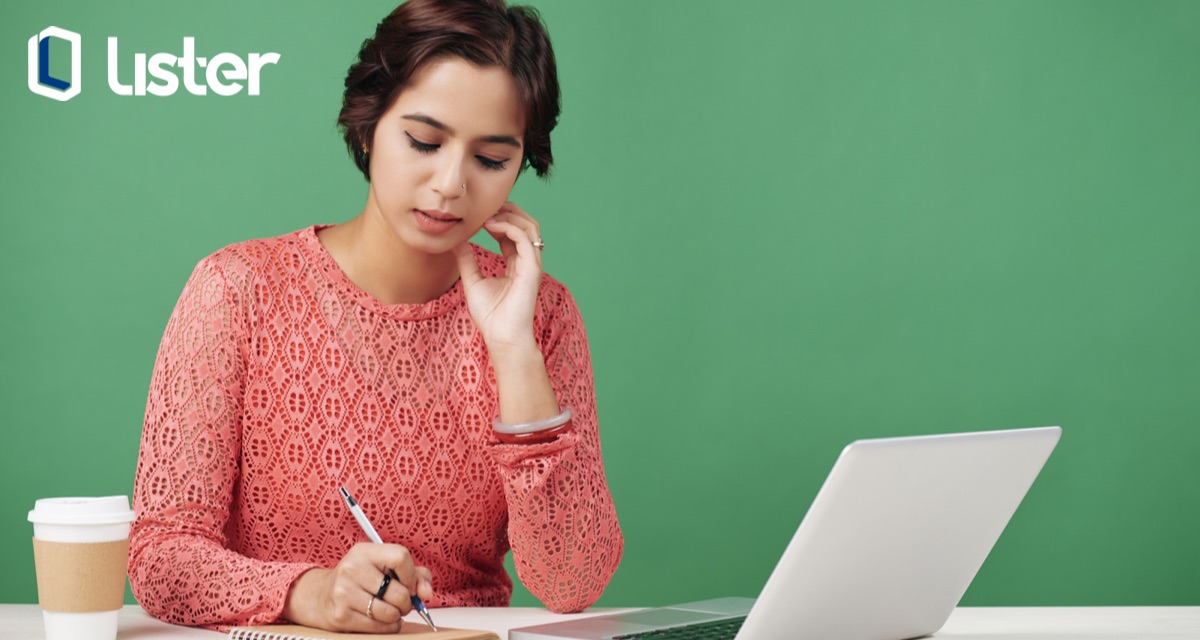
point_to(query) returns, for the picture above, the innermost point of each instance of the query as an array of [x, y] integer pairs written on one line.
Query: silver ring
[[538, 244], [369, 605]]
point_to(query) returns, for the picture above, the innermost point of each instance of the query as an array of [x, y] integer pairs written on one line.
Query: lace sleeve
[[562, 522], [180, 568]]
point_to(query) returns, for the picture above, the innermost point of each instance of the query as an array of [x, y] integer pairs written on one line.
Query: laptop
[[886, 551]]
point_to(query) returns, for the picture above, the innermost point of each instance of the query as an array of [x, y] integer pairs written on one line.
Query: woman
[[390, 356]]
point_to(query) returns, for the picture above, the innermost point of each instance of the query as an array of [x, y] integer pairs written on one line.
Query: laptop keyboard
[[718, 630]]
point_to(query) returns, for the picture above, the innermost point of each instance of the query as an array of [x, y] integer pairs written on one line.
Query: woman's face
[[446, 154]]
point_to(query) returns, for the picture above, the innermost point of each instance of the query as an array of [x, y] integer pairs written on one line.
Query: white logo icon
[[40, 80]]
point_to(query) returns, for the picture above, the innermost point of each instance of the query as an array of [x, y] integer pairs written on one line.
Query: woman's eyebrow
[[437, 124], [508, 140]]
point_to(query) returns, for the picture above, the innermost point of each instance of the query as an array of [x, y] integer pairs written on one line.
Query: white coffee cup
[[81, 546]]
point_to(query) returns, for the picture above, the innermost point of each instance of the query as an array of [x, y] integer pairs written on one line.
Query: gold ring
[[369, 605]]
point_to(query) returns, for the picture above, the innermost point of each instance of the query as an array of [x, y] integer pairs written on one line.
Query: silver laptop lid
[[896, 534]]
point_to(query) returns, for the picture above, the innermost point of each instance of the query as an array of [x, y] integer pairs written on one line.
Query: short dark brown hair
[[482, 32]]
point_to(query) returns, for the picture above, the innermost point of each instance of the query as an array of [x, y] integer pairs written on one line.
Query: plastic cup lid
[[106, 510]]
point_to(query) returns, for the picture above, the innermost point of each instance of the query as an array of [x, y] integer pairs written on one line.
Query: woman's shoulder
[[493, 264], [268, 257], [554, 302]]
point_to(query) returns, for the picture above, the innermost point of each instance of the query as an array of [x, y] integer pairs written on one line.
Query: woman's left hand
[[502, 306]]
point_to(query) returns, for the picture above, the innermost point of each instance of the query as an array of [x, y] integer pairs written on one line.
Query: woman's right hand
[[337, 599]]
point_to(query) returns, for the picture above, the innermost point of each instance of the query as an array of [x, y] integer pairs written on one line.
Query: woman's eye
[[494, 165], [421, 147], [426, 147]]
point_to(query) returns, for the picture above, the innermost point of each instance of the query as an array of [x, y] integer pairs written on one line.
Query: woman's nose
[[450, 180]]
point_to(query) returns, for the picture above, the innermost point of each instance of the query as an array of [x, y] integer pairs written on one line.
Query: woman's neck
[[378, 262]]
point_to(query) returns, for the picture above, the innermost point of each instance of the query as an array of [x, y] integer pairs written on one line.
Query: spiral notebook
[[408, 631]]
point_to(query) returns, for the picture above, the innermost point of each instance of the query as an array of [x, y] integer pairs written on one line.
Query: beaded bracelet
[[532, 432]]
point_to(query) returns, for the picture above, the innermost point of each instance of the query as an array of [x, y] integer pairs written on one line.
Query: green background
[[788, 225]]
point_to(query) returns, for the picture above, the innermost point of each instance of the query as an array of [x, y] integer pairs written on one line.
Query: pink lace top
[[278, 380]]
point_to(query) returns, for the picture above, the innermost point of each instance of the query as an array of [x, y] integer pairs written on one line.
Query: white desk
[[24, 622]]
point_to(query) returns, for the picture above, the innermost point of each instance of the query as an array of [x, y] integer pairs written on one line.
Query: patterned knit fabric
[[278, 380]]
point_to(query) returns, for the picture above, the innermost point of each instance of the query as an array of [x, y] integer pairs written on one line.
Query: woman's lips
[[434, 221]]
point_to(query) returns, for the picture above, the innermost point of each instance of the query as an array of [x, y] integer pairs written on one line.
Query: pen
[[374, 536]]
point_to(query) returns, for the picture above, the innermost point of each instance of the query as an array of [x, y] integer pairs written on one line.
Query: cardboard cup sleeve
[[81, 577]]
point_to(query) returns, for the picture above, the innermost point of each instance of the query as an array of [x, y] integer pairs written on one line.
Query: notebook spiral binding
[[248, 634]]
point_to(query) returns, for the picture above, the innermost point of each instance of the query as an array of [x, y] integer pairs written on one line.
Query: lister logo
[[40, 80], [229, 65], [225, 73]]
